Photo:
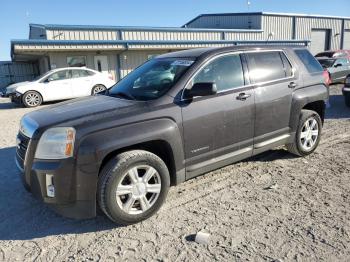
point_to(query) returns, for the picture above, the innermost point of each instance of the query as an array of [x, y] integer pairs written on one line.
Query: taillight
[[327, 78]]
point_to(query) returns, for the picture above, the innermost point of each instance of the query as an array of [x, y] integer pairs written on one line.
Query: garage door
[[319, 41], [346, 39]]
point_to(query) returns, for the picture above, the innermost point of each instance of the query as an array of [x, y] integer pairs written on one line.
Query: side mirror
[[49, 80], [201, 89], [337, 65]]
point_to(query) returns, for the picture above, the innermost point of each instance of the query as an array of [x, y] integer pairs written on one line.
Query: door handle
[[292, 85], [243, 96]]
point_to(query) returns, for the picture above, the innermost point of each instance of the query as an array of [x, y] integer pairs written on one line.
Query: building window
[[77, 61]]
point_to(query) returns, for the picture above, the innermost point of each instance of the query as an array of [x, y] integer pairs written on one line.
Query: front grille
[[22, 147]]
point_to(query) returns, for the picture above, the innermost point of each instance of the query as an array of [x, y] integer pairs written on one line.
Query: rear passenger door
[[81, 82], [271, 74], [219, 129]]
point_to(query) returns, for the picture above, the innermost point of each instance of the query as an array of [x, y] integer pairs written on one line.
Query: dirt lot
[[273, 207]]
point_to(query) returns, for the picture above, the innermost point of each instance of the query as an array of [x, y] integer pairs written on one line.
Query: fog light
[[50, 189]]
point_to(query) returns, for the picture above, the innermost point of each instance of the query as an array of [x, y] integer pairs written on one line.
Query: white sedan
[[59, 84]]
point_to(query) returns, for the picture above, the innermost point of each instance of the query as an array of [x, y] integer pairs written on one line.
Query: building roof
[[267, 14]]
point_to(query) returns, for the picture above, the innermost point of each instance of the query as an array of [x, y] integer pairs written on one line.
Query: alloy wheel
[[32, 99], [98, 88], [309, 134], [138, 189]]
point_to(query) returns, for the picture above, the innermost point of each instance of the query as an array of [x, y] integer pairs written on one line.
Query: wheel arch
[[311, 98], [161, 137], [160, 148]]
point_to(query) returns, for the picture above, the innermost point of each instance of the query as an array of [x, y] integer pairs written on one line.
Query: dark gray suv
[[121, 150]]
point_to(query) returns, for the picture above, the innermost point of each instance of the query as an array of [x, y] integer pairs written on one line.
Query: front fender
[[93, 148]]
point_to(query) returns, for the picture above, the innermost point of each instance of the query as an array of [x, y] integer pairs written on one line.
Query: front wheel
[[308, 134], [32, 99], [133, 186]]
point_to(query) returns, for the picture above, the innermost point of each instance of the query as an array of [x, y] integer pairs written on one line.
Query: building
[[118, 50]]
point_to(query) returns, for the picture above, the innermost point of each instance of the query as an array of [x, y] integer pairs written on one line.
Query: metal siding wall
[[129, 60], [153, 35], [82, 35], [281, 26], [304, 25], [347, 39], [228, 21], [37, 33], [243, 36], [14, 72], [347, 24]]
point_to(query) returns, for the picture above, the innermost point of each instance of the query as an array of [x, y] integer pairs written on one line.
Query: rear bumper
[[74, 197]]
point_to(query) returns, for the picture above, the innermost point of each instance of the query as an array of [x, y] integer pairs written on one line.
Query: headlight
[[56, 143]]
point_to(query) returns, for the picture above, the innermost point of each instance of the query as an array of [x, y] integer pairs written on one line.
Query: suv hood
[[77, 111]]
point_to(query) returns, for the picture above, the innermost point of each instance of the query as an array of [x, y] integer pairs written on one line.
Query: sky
[[15, 15]]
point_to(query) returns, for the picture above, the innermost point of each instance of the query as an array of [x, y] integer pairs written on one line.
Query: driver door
[[57, 86], [219, 129]]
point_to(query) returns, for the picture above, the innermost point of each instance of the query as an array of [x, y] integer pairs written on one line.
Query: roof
[[268, 14], [203, 51]]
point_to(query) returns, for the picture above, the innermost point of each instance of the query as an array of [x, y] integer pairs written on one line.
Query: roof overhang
[[37, 47]]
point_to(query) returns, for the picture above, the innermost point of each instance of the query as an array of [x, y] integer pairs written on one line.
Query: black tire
[[113, 173], [98, 88], [347, 100], [296, 147], [37, 99]]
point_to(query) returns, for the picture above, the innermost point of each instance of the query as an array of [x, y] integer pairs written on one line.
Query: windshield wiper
[[123, 95]]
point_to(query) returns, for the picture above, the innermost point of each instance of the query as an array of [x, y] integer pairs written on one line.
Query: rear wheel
[[31, 99], [98, 88], [308, 134], [133, 186]]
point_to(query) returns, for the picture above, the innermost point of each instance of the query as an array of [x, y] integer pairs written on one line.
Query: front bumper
[[75, 192]]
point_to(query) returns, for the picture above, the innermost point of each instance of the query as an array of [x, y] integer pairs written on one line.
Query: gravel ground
[[272, 207]]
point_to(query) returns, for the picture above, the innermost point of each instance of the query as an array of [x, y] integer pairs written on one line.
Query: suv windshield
[[326, 63], [152, 79]]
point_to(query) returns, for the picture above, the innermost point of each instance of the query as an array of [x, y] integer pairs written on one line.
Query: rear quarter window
[[267, 66], [310, 62]]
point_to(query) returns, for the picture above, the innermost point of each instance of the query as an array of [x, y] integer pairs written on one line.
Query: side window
[[266, 66], [88, 73], [287, 66], [60, 75], [341, 61], [311, 64], [80, 73], [226, 72]]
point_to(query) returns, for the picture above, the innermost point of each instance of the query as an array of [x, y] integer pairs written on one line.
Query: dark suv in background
[[124, 148]]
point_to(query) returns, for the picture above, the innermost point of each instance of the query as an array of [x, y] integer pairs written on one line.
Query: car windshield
[[326, 63], [41, 76], [152, 79]]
